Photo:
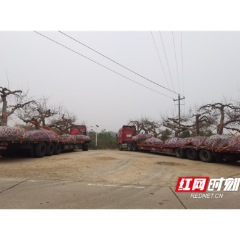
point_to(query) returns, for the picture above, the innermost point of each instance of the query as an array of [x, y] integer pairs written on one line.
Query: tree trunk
[[37, 126], [220, 126], [176, 133], [4, 110], [197, 125]]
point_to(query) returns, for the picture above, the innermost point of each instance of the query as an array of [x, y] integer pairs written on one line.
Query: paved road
[[55, 194]]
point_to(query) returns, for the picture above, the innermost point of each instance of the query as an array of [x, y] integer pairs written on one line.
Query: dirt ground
[[114, 167]]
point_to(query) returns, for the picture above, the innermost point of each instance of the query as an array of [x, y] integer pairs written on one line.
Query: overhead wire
[[174, 109], [159, 58], [117, 62], [176, 60], [182, 70], [99, 64], [166, 60]]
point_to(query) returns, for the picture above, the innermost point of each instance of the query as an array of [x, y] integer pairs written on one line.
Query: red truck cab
[[124, 135], [78, 130]]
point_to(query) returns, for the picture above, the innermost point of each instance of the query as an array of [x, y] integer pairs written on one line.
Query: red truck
[[80, 130], [10, 146], [204, 153]]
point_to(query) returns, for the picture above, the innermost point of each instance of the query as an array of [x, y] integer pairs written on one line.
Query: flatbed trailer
[[10, 146], [206, 154]]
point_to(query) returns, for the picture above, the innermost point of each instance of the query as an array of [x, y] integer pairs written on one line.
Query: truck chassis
[[205, 154], [45, 147]]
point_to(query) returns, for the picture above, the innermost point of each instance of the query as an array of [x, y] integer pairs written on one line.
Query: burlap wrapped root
[[67, 138], [141, 137], [187, 141], [216, 141], [86, 138], [11, 132], [198, 140], [40, 134], [81, 138], [134, 138], [78, 137], [75, 138], [154, 141], [234, 142], [175, 141]]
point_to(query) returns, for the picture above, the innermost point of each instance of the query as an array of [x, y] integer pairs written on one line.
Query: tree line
[[36, 112], [221, 117], [204, 120]]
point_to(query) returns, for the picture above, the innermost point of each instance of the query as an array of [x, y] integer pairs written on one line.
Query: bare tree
[[63, 120], [37, 112], [19, 99], [203, 119], [229, 114], [194, 120], [147, 125], [173, 123]]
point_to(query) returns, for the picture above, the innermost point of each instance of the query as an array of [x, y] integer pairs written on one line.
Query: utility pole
[[179, 116], [96, 136]]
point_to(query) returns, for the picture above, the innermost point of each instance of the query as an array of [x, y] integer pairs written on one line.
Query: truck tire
[[85, 148], [57, 148], [180, 153], [120, 147], [192, 154], [40, 150], [129, 147], [49, 149], [206, 156]]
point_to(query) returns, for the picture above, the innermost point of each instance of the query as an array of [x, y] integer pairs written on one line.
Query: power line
[[166, 59], [99, 64], [182, 70], [159, 59], [176, 60], [118, 63], [182, 63]]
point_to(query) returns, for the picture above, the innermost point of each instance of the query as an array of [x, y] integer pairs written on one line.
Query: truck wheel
[[40, 150], [85, 148], [50, 149], [206, 156], [180, 153], [192, 154], [120, 147], [129, 147], [57, 149]]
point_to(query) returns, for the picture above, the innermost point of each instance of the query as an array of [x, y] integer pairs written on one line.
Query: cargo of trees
[[216, 148], [15, 141]]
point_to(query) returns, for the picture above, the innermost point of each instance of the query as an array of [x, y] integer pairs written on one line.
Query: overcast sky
[[211, 70]]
